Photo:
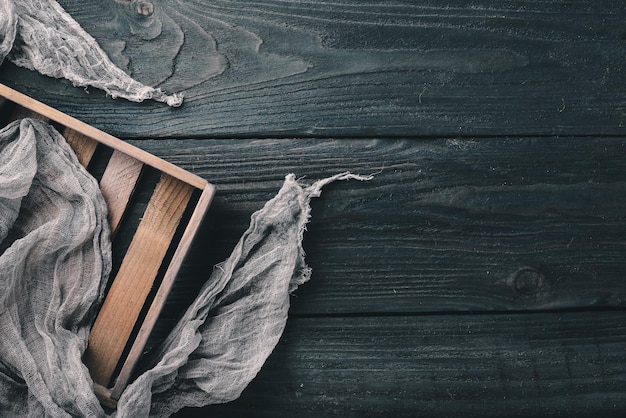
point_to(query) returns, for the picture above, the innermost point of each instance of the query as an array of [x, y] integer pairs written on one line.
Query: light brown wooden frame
[[115, 345]]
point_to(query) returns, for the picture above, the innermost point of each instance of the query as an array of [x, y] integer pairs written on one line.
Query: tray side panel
[[69, 122]]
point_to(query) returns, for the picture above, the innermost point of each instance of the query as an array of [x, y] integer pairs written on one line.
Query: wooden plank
[[83, 146], [118, 184], [135, 278], [446, 225], [346, 68], [560, 364]]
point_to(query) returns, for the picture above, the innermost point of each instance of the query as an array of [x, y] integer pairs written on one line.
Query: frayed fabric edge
[[310, 192], [30, 28], [172, 100], [170, 377]]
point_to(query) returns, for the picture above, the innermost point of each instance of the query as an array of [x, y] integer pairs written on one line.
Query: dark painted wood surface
[[481, 273], [446, 225], [352, 68], [570, 364]]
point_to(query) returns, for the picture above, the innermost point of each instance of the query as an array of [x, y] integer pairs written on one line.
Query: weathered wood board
[[402, 68], [445, 225]]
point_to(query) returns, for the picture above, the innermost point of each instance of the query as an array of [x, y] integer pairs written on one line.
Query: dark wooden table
[[482, 272]]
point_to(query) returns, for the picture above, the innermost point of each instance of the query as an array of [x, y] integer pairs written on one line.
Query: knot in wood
[[527, 281]]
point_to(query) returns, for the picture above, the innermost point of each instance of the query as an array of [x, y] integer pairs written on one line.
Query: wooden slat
[[118, 184], [163, 292], [83, 146], [133, 282]]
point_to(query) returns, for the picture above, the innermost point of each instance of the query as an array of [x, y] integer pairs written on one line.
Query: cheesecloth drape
[[54, 263]]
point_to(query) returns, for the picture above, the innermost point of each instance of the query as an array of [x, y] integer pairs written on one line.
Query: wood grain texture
[[569, 364], [134, 280], [118, 184], [481, 273], [446, 225], [82, 145], [304, 68]]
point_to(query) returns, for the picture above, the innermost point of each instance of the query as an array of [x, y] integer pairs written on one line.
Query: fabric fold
[[231, 328], [54, 263]]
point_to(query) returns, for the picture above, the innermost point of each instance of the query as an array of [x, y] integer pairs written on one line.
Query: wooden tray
[[157, 234]]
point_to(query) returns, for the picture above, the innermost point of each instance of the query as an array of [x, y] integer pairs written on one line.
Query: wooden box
[[157, 234]]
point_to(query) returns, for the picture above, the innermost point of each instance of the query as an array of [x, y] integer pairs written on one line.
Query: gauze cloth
[[53, 269], [54, 262], [41, 36]]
